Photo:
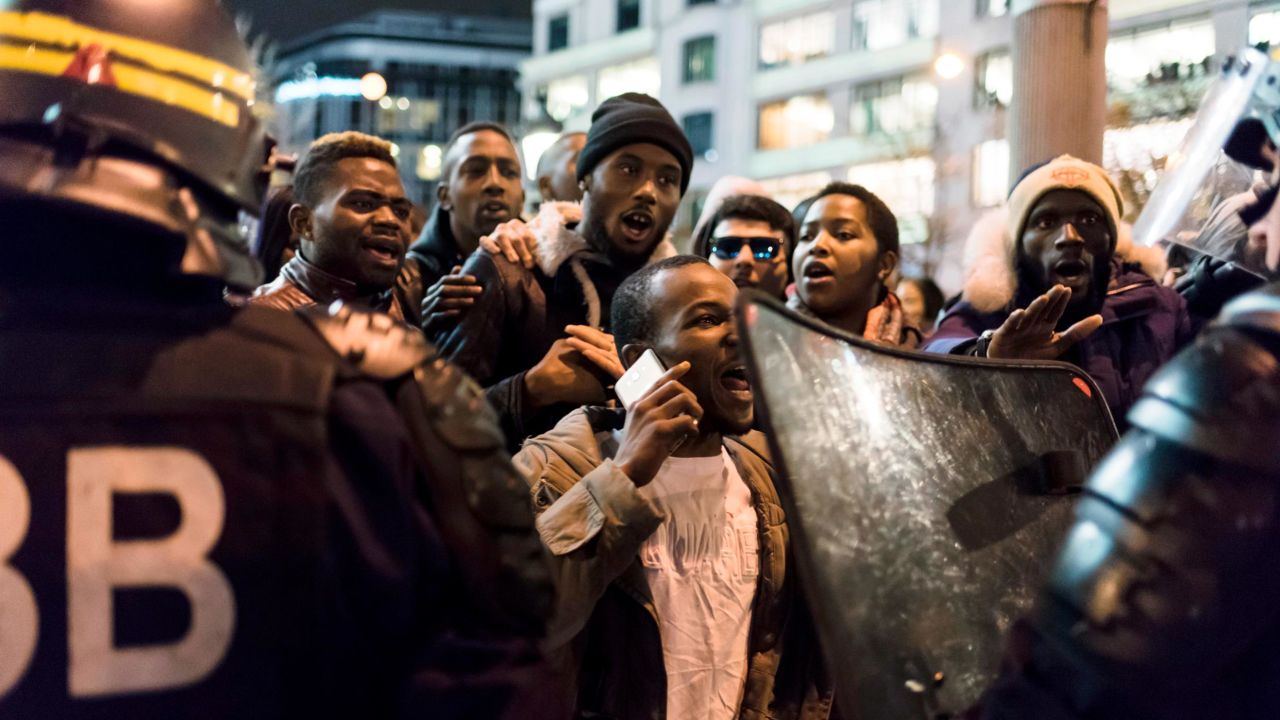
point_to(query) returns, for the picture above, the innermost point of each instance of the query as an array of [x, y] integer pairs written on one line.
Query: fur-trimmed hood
[[990, 280], [559, 242]]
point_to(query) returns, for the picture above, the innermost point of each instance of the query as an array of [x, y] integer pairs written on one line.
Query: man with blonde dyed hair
[[353, 221]]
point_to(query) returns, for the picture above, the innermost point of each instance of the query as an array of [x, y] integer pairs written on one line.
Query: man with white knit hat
[[1053, 277]]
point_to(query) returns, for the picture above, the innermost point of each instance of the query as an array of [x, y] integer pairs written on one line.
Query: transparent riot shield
[[1198, 201], [926, 495]]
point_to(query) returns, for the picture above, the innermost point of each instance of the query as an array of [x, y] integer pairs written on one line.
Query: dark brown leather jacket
[[301, 284]]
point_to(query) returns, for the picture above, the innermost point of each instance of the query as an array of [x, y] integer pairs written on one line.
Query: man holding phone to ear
[[668, 539]]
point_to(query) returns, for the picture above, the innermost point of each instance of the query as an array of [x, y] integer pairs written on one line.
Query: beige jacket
[[604, 633]]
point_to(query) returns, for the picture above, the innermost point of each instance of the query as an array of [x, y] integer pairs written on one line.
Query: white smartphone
[[639, 378]]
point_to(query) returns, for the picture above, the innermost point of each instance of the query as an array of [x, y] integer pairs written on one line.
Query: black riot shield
[[927, 495]]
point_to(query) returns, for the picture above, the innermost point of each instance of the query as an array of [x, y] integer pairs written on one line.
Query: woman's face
[[838, 265]]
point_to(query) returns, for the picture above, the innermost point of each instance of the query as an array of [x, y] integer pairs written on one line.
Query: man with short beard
[[352, 220], [480, 188], [1053, 281], [674, 595], [535, 336]]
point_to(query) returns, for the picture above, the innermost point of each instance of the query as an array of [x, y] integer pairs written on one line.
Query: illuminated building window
[[797, 40], [628, 15], [566, 96], [1143, 148], [993, 8], [993, 80], [790, 190], [795, 122], [430, 163], [700, 129], [641, 76], [880, 24], [700, 59], [1136, 156], [893, 106], [990, 173], [406, 115], [906, 186], [1264, 28], [558, 33], [1169, 52]]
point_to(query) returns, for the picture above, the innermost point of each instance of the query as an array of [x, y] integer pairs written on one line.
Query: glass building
[[437, 73]]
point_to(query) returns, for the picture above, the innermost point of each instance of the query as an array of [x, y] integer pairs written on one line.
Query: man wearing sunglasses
[[749, 238]]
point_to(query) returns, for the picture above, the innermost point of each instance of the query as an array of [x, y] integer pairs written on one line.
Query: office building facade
[[796, 93]]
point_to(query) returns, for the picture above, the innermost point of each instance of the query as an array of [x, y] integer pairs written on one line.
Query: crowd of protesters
[[660, 524], [547, 315], [663, 526]]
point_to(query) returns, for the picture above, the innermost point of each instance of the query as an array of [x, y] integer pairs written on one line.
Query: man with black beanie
[[537, 337]]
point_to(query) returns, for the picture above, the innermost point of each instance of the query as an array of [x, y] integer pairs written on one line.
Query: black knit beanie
[[629, 119]]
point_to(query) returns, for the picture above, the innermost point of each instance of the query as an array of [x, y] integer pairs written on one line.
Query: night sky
[[286, 19]]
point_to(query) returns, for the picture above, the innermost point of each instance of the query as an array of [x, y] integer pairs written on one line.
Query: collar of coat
[[990, 281], [560, 243], [436, 243]]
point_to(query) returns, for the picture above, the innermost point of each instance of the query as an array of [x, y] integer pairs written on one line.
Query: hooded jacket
[[604, 633], [1144, 324], [521, 312]]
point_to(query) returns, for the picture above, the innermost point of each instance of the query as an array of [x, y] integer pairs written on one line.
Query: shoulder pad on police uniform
[[375, 343], [1221, 396], [1257, 310]]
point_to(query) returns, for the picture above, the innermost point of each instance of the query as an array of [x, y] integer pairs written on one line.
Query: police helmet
[[137, 111]]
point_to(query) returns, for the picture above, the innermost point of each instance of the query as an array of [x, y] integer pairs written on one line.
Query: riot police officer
[[208, 511]]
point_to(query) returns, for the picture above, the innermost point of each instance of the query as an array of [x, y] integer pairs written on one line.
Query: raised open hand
[[1030, 334]]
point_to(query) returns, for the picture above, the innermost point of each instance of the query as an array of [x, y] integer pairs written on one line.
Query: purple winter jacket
[[1144, 326]]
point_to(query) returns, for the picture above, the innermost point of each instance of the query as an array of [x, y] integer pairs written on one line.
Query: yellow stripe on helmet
[[59, 31], [130, 79]]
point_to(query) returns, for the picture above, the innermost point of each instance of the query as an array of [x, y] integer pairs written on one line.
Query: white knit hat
[[991, 249], [1062, 173]]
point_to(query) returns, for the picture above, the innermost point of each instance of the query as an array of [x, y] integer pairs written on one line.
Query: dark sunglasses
[[728, 247]]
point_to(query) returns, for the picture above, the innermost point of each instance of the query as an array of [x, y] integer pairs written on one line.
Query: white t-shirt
[[702, 566]]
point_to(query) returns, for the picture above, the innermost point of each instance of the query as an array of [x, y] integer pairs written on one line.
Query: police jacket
[[213, 512]]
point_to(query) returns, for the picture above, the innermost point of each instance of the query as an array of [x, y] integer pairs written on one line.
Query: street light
[[948, 66], [373, 87]]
